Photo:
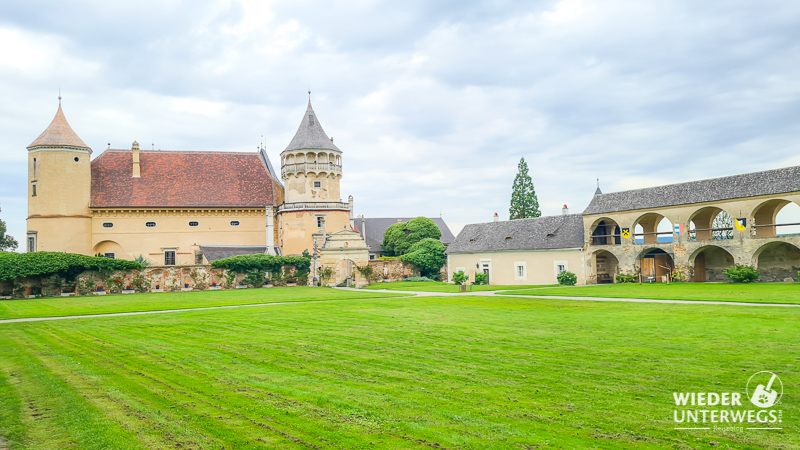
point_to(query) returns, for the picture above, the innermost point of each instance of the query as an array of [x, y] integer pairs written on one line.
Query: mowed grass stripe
[[106, 304], [161, 385], [448, 371]]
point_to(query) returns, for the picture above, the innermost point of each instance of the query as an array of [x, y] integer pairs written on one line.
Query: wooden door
[[648, 268], [700, 268], [663, 266]]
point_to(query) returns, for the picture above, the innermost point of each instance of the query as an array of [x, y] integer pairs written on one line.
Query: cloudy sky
[[433, 103]]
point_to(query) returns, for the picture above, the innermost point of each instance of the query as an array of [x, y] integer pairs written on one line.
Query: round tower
[[311, 167], [59, 190]]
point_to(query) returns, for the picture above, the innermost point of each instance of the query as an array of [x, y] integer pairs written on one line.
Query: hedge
[[266, 263], [66, 265]]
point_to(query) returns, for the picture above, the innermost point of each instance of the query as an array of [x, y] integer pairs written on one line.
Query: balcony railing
[[311, 167], [304, 206]]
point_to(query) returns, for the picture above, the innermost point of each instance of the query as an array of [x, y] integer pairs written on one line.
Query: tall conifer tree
[[524, 203]]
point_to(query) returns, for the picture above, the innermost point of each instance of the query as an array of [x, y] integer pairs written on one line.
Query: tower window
[[317, 184], [108, 224], [320, 221], [32, 242], [194, 224], [234, 223], [150, 224], [77, 159], [169, 257], [33, 189]]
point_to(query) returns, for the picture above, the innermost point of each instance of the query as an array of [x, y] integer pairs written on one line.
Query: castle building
[[183, 207], [688, 231]]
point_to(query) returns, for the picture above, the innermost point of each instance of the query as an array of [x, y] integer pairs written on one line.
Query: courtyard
[[324, 368]]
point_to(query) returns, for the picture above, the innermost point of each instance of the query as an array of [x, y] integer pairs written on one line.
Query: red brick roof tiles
[[174, 179]]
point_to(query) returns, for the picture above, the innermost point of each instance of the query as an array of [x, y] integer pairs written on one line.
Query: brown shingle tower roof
[[178, 179], [59, 134]]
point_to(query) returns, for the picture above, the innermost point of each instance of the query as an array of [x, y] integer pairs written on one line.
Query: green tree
[[400, 237], [7, 243], [427, 256], [524, 203]]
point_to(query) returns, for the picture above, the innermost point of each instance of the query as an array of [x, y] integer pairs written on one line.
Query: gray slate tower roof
[[310, 134]]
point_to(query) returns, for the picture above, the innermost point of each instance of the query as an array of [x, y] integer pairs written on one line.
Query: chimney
[[564, 210], [496, 218], [135, 152]]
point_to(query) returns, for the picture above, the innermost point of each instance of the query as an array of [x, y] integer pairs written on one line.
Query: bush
[[678, 275], [427, 256], [481, 278], [255, 278], [625, 278], [460, 278], [417, 279], [740, 273], [567, 278], [65, 265], [265, 263]]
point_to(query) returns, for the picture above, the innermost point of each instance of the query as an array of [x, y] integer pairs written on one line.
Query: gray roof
[[217, 252], [769, 182], [541, 233], [376, 227], [310, 134]]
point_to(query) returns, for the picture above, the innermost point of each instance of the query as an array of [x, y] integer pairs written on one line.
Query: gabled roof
[[310, 134], [176, 179], [376, 227], [769, 182], [541, 233], [59, 134], [217, 252]]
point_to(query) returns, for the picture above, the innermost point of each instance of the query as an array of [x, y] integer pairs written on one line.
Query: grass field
[[434, 286], [451, 372], [102, 304], [723, 292]]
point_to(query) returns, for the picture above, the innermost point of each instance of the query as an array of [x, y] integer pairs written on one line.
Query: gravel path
[[415, 293]]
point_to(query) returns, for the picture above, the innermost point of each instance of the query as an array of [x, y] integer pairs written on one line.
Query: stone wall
[[149, 279]]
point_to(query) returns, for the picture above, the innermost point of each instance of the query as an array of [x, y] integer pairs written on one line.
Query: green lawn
[[435, 286], [723, 292], [101, 304], [452, 372]]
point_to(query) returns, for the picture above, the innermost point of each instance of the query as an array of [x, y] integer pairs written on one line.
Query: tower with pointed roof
[[59, 190], [311, 168]]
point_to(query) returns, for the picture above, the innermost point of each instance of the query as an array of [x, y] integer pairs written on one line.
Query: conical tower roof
[[310, 134], [58, 134]]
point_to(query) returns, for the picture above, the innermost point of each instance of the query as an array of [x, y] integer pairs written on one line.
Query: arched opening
[[710, 224], [606, 232], [776, 217], [109, 249], [709, 262], [777, 261], [655, 265], [606, 266], [652, 228]]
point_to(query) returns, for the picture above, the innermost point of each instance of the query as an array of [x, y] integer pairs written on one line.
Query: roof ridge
[[124, 150], [702, 180]]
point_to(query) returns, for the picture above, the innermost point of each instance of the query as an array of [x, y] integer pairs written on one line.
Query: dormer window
[[508, 238], [311, 119]]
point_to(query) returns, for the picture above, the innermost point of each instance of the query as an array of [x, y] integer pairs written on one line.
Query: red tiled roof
[[181, 179]]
